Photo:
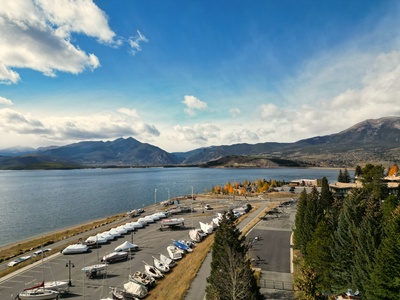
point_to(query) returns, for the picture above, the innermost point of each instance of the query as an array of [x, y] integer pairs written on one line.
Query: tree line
[[349, 242]]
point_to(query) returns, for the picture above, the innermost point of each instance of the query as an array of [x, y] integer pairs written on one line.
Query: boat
[[182, 246], [172, 223], [166, 260], [38, 292], [95, 240], [94, 270], [197, 235], [127, 246], [136, 225], [160, 265], [18, 260], [143, 279], [75, 249], [57, 285], [187, 243], [115, 256], [207, 228], [136, 289], [174, 252], [119, 294], [152, 271]]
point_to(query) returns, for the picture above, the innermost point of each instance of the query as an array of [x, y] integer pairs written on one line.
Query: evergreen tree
[[344, 239], [367, 242], [340, 176], [372, 180], [357, 171], [326, 199], [319, 256], [346, 176], [299, 232], [231, 276], [385, 273]]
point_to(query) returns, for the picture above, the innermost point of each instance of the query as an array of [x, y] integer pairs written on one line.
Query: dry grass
[[184, 273]]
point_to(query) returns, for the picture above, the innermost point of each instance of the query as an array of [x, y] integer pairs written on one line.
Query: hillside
[[371, 141]]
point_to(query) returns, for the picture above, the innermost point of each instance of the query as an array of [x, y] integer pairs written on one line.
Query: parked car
[[39, 252]]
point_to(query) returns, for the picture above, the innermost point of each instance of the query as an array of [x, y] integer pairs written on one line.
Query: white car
[[18, 260], [39, 252]]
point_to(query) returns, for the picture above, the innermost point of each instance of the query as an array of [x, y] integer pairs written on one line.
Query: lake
[[41, 201]]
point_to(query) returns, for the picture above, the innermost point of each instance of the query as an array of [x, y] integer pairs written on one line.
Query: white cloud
[[135, 42], [129, 112], [269, 110], [234, 112], [36, 34], [5, 101], [71, 129], [192, 104]]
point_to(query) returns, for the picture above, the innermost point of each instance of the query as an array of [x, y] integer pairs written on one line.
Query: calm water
[[35, 202]]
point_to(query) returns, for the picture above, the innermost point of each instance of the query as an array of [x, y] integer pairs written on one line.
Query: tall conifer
[[231, 276]]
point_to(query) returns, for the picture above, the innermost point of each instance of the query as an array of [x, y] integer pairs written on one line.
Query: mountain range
[[370, 141]]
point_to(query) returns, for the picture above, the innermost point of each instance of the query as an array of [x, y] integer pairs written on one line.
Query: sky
[[182, 75]]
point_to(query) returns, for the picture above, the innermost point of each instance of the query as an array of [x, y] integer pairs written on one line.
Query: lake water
[[36, 202]]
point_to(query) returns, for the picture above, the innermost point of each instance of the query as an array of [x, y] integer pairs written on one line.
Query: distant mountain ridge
[[374, 140]]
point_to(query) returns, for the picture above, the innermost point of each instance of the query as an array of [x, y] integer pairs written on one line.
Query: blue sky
[[187, 74]]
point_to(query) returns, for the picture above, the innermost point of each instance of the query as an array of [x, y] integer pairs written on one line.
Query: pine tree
[[344, 241], [340, 176], [231, 276], [385, 273], [346, 176], [367, 242], [299, 231]]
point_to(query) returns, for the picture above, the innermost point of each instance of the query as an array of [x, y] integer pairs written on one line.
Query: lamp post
[[155, 196], [69, 264], [191, 208]]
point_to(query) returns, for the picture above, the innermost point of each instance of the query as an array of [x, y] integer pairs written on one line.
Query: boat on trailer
[[152, 271], [38, 292], [182, 246], [143, 279], [160, 265], [174, 252], [166, 260]]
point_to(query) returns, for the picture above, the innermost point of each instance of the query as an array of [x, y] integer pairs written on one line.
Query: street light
[[69, 264]]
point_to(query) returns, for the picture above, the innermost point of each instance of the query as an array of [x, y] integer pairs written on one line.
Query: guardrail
[[276, 285]]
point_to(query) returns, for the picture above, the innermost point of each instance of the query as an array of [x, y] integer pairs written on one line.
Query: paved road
[[273, 248]]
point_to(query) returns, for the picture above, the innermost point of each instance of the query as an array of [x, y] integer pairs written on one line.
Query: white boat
[[149, 219], [152, 271], [96, 240], [56, 285], [166, 260], [119, 294], [174, 252], [135, 289], [143, 221], [143, 279], [94, 270], [154, 216], [108, 235], [38, 293], [18, 260], [172, 223], [207, 228], [115, 256], [127, 246], [75, 249], [136, 225], [116, 232], [197, 235], [160, 265]]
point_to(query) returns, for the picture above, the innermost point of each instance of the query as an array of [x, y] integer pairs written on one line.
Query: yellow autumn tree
[[393, 171]]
